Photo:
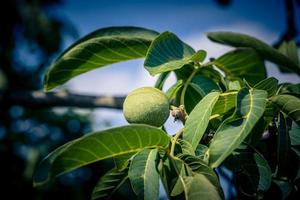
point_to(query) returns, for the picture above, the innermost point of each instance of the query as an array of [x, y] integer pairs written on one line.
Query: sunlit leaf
[[234, 84], [225, 103], [100, 48], [232, 132], [106, 144], [199, 56]]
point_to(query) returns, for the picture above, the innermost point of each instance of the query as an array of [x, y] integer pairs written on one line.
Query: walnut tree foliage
[[234, 117]]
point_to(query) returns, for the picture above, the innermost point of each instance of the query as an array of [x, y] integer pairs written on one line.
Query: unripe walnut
[[146, 105]]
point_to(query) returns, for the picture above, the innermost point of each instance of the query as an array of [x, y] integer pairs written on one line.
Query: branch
[[38, 99], [291, 30]]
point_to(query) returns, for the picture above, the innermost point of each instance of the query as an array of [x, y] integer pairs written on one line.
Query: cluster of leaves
[[233, 110]]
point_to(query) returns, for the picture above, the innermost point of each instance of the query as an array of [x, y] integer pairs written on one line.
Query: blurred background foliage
[[31, 35]]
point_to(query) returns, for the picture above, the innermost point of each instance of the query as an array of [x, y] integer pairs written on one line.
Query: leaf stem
[[207, 64], [174, 140], [186, 85]]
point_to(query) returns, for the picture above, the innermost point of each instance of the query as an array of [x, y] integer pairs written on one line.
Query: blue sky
[[182, 17]]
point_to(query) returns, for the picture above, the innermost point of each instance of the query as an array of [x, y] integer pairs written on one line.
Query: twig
[[186, 85], [174, 140], [291, 30], [38, 99]]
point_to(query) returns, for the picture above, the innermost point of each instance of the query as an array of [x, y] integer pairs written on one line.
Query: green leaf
[[174, 89], [199, 166], [253, 173], [109, 183], [180, 171], [234, 84], [168, 175], [176, 177], [225, 103], [283, 148], [288, 104], [295, 138], [290, 50], [295, 143], [191, 98], [232, 132], [256, 134], [285, 188], [270, 85], [200, 151], [242, 63], [216, 76], [143, 175], [293, 89], [186, 147], [161, 80], [199, 187], [100, 48], [184, 72], [199, 87], [122, 161], [198, 119], [105, 144], [199, 56], [295, 135], [167, 53], [263, 49], [203, 85], [195, 186], [173, 173], [264, 172]]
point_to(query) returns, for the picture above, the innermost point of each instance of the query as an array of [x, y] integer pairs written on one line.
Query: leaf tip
[[46, 87]]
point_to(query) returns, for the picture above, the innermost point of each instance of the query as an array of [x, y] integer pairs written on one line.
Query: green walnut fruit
[[146, 105]]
